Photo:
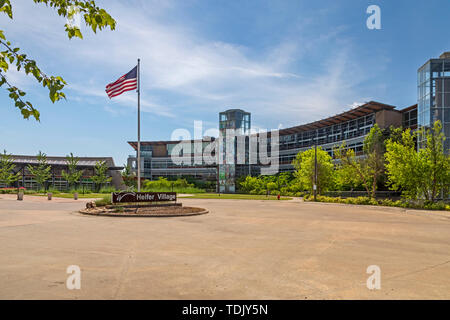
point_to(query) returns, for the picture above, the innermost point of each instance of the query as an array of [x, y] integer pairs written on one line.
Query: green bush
[[384, 202], [106, 200], [107, 190], [164, 185]]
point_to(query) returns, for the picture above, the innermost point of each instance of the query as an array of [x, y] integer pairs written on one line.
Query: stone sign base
[[162, 210]]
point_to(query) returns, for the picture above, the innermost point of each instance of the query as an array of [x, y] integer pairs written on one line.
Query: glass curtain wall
[[434, 97]]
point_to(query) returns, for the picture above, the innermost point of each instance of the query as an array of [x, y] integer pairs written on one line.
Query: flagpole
[[139, 125]]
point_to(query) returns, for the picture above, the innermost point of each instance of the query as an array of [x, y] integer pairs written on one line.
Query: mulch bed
[[171, 211]]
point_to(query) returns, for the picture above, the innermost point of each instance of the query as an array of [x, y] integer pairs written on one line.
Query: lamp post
[[315, 167], [139, 126]]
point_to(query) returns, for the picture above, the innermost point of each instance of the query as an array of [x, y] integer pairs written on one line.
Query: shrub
[[384, 202], [107, 190], [106, 200], [182, 183], [164, 185]]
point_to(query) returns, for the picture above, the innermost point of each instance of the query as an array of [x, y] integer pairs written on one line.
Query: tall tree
[[100, 177], [94, 17], [72, 176], [7, 175], [40, 172], [370, 167], [346, 177], [305, 168], [423, 174], [129, 178]]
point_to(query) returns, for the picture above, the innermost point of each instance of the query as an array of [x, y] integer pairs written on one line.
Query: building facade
[[351, 126], [58, 164], [433, 82]]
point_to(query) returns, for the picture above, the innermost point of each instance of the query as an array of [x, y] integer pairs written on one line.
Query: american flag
[[125, 83]]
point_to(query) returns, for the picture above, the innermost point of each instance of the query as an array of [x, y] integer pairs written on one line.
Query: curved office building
[[351, 126]]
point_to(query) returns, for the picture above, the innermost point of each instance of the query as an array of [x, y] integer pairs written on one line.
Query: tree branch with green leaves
[[94, 17]]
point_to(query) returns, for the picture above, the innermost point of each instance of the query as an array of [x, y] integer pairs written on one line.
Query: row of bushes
[[427, 205], [164, 185], [56, 191], [284, 193]]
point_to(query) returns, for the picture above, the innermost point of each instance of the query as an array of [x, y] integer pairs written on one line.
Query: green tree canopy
[[129, 178], [7, 175], [369, 168], [305, 168], [94, 17], [100, 177], [72, 175], [40, 172], [422, 174]]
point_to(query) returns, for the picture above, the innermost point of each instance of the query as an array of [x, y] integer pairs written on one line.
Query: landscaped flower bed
[[13, 190], [385, 202]]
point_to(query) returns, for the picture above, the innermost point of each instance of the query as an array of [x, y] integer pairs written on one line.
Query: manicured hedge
[[385, 202]]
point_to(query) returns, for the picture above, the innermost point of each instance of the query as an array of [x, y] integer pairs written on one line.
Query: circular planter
[[146, 212]]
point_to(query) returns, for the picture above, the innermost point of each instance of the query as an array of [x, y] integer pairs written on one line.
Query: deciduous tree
[[129, 178], [94, 17], [72, 176], [419, 174], [7, 175], [100, 177], [304, 166], [40, 172], [368, 167]]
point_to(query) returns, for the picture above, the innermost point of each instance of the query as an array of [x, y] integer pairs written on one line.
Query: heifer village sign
[[136, 197], [143, 204]]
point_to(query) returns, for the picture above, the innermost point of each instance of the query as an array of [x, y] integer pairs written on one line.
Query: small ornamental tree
[[252, 184], [305, 169], [369, 168], [129, 178], [72, 176], [100, 177], [40, 172], [7, 175]]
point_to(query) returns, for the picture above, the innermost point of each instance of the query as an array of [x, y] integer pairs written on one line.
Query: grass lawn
[[70, 195], [193, 196], [233, 196]]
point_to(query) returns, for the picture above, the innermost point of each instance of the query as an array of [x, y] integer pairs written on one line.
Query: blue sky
[[287, 62]]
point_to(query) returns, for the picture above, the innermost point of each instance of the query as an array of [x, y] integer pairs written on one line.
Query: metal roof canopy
[[360, 111], [61, 162]]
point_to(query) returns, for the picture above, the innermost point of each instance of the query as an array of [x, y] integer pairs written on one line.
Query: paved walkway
[[243, 249]]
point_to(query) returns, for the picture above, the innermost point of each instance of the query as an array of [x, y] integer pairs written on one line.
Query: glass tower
[[433, 80], [239, 121]]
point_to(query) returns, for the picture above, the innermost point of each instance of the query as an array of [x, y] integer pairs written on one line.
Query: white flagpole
[[139, 125]]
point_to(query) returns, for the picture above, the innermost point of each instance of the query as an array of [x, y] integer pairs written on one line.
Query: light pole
[[139, 126], [315, 167]]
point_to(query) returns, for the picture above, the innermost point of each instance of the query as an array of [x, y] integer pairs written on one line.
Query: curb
[[142, 215]]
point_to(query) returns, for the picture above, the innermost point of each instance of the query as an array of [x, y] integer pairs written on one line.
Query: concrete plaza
[[242, 249]]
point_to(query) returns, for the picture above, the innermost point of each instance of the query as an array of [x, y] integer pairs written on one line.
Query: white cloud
[[207, 75]]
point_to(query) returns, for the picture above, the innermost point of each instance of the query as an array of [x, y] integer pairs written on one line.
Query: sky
[[286, 62]]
